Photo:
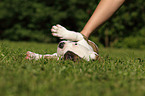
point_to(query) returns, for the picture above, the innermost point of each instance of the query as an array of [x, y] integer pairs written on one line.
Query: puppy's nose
[[61, 45]]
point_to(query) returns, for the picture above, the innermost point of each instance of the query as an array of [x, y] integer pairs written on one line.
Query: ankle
[[85, 33]]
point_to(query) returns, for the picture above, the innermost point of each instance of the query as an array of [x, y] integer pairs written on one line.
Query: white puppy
[[76, 47]]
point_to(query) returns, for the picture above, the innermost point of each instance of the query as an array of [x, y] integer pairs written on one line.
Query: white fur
[[63, 33], [82, 48]]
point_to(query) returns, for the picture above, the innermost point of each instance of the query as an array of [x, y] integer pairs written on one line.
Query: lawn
[[121, 72]]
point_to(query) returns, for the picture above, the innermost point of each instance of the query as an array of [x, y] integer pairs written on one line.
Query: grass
[[120, 73]]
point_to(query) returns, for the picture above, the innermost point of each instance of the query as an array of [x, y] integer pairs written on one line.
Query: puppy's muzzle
[[61, 45]]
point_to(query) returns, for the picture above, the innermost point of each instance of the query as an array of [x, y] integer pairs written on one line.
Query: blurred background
[[31, 20]]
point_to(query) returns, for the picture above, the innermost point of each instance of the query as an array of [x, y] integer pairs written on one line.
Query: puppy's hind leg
[[63, 33], [31, 55]]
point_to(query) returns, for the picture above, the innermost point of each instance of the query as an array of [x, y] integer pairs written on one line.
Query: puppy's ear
[[71, 56]]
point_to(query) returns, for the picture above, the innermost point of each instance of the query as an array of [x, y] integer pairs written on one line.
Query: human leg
[[103, 12]]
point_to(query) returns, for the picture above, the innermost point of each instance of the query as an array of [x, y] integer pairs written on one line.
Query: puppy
[[76, 47]]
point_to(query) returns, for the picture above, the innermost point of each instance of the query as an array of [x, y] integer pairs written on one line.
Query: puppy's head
[[73, 51]]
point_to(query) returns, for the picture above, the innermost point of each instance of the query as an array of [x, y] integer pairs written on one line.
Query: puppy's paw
[[30, 55], [63, 33], [59, 31]]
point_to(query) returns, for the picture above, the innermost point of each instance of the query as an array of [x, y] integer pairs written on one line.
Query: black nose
[[61, 45]]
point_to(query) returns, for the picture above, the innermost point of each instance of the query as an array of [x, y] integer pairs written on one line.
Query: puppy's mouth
[[71, 56]]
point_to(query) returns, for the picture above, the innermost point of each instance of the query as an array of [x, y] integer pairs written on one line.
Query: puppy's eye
[[76, 44], [61, 45]]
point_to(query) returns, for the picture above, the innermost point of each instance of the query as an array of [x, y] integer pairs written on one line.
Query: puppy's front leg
[[49, 56], [31, 55], [63, 33]]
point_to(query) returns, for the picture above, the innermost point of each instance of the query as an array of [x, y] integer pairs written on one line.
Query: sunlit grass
[[119, 73]]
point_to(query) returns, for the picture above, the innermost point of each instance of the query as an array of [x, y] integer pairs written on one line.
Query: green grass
[[120, 73]]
